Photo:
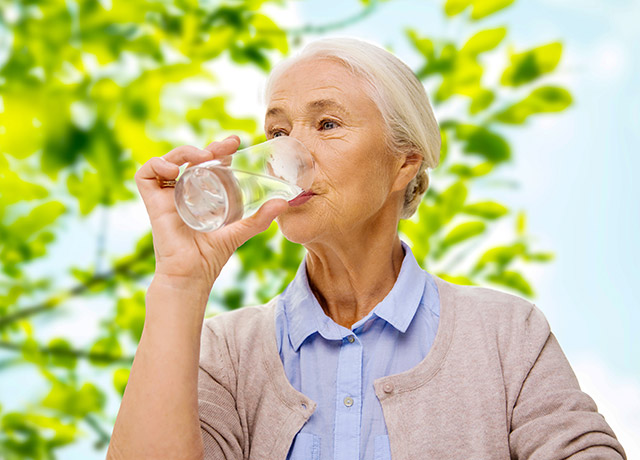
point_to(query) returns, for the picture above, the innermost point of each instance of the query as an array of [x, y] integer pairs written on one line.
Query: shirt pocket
[[306, 446], [381, 448]]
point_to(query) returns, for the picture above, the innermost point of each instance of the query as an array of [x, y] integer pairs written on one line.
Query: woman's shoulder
[[242, 320], [492, 308], [236, 335]]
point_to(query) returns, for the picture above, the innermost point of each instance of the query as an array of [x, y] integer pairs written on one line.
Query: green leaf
[[452, 200], [463, 232], [467, 172], [130, 314], [418, 234], [539, 257], [78, 403], [463, 78], [250, 53], [215, 109], [14, 189], [461, 280], [63, 148], [444, 146], [89, 399], [31, 352], [21, 131], [232, 298], [61, 353], [545, 99], [105, 351], [484, 8], [521, 222], [275, 37], [527, 66], [461, 170], [513, 280], [39, 218], [483, 41], [63, 433], [120, 379], [486, 143], [29, 435], [500, 255], [482, 169], [486, 209], [454, 7], [481, 100], [423, 45]]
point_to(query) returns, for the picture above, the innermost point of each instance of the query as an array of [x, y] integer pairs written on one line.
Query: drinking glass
[[211, 195]]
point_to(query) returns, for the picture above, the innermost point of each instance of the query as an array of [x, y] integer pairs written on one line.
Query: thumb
[[244, 229]]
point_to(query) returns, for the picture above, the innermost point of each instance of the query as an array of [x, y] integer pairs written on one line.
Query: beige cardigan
[[495, 385]]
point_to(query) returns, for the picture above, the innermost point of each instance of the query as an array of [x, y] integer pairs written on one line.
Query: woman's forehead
[[315, 86], [314, 105]]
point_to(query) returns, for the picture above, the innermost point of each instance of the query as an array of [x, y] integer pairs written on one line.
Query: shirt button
[[351, 339], [387, 387], [348, 401]]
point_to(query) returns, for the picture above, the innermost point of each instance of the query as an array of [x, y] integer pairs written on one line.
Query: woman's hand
[[186, 257]]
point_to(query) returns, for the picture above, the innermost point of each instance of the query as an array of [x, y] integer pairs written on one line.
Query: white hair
[[401, 98]]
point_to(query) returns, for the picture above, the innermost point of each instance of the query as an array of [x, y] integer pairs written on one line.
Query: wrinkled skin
[[350, 226]]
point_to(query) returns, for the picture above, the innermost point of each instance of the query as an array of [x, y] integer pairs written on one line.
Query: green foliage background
[[81, 107]]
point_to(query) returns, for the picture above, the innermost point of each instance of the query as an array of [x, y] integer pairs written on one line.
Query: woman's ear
[[408, 170]]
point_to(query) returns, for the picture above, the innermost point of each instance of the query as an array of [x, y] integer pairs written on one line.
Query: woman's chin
[[297, 227]]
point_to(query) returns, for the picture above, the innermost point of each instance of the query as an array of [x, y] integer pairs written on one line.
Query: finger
[[222, 150], [187, 154], [239, 232], [157, 168]]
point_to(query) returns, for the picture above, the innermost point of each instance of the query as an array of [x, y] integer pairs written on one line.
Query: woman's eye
[[277, 134], [328, 124]]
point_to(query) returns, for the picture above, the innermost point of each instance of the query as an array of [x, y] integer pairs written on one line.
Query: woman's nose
[[299, 135]]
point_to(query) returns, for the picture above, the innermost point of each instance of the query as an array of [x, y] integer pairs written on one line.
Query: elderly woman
[[364, 355]]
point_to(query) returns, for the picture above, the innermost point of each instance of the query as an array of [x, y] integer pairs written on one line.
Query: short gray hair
[[400, 96]]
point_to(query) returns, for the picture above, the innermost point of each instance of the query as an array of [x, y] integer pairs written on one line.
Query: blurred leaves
[[530, 65], [30, 435], [545, 99], [82, 105], [480, 8], [120, 379], [483, 41], [481, 141], [474, 147], [74, 401]]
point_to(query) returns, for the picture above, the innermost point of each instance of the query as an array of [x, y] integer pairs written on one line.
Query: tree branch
[[104, 357], [323, 28], [53, 302], [319, 29], [103, 436]]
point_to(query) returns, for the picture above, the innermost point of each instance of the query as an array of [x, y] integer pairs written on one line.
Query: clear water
[[208, 198], [256, 189]]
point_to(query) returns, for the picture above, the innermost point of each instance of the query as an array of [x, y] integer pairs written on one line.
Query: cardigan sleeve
[[552, 418], [220, 426]]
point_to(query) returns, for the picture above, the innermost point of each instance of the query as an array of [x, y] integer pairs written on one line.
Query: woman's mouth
[[301, 199]]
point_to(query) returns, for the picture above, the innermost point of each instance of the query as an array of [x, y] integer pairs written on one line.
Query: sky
[[574, 170]]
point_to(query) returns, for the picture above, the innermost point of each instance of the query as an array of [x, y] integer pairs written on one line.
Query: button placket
[[348, 397]]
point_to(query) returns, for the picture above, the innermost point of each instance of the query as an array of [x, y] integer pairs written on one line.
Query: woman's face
[[325, 107]]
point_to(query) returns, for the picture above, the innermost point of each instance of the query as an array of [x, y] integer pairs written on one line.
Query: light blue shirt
[[336, 366]]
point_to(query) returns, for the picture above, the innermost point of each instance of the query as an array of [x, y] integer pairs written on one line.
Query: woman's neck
[[351, 278]]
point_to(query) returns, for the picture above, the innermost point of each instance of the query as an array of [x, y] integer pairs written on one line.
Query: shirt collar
[[305, 316]]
